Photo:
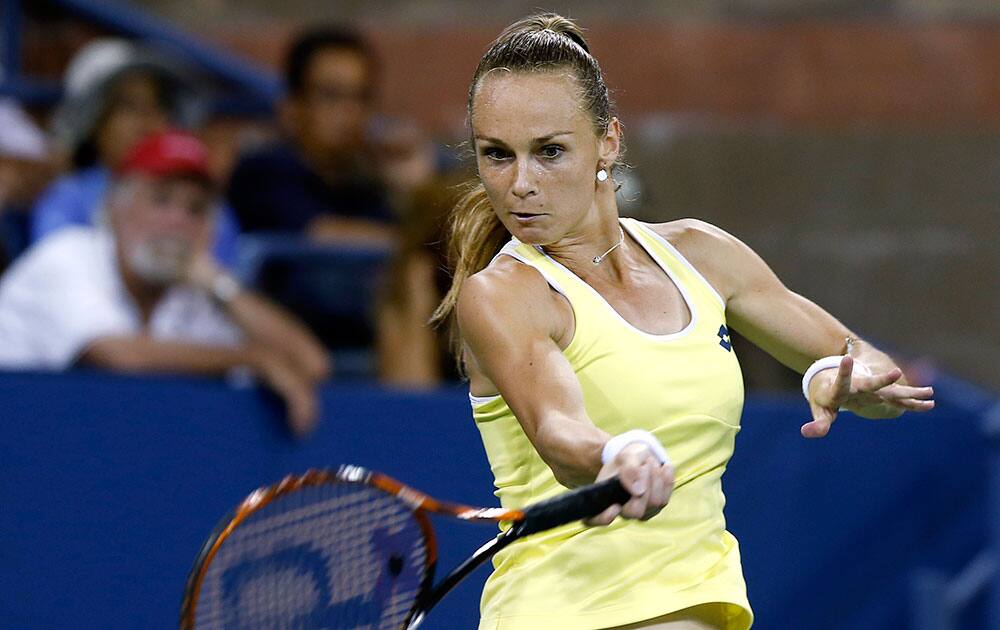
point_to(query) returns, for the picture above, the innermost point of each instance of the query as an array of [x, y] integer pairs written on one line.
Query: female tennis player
[[596, 345]]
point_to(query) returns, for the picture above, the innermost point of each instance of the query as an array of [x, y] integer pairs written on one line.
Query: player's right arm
[[510, 320]]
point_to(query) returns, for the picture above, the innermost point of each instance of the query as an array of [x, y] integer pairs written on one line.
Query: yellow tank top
[[686, 388]]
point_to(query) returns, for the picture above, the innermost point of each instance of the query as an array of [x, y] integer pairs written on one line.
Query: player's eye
[[494, 153], [551, 151]]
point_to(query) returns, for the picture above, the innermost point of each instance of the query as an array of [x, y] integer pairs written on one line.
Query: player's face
[[160, 224], [537, 154]]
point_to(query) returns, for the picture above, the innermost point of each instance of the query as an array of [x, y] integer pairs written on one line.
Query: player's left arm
[[796, 332]]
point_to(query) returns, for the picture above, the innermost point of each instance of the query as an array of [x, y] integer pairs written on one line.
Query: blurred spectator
[[407, 160], [24, 170], [140, 291], [115, 94], [410, 352], [320, 179]]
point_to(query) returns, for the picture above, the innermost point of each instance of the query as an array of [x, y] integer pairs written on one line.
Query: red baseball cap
[[168, 153]]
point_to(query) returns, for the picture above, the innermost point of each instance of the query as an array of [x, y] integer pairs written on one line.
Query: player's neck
[[600, 251]]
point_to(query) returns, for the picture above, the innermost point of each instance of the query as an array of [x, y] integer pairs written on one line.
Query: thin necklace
[[597, 259]]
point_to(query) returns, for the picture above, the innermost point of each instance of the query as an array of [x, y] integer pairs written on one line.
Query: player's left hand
[[869, 396]]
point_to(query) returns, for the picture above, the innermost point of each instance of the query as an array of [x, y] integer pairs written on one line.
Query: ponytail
[[474, 236]]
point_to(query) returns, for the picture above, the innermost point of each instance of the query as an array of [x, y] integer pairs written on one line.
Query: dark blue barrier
[[110, 484]]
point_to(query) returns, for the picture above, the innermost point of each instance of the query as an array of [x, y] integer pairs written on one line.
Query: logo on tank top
[[724, 340]]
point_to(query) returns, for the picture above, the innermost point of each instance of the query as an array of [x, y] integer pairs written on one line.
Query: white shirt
[[66, 292]]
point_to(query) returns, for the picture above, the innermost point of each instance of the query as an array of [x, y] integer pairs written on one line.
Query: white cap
[[94, 63], [97, 65], [21, 138]]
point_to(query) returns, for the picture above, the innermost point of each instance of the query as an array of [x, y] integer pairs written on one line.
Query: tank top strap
[[558, 277], [689, 280]]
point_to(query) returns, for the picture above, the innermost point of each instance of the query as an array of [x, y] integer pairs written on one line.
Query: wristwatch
[[225, 288]]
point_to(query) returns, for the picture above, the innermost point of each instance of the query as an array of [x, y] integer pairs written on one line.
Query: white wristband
[[829, 363], [620, 441]]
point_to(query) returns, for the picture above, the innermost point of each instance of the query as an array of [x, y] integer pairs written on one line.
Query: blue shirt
[[274, 190], [76, 199]]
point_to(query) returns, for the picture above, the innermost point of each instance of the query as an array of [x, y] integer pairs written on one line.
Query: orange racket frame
[[261, 497]]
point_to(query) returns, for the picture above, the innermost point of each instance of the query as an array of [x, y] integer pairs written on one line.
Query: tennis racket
[[348, 549]]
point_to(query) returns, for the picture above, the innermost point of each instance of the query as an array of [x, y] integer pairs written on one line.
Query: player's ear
[[610, 143]]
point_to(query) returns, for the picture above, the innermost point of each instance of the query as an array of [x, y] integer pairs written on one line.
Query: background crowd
[[123, 239], [818, 143]]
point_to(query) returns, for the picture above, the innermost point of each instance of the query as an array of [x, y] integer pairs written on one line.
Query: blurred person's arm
[[409, 348], [142, 354], [406, 343], [264, 323], [257, 201]]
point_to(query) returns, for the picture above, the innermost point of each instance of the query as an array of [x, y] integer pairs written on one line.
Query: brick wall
[[815, 74]]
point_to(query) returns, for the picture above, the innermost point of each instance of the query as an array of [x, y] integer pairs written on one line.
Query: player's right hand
[[648, 481]]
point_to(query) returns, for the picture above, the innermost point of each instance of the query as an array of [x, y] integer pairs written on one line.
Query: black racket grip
[[575, 505]]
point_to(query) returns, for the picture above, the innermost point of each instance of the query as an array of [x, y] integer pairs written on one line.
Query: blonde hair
[[539, 43]]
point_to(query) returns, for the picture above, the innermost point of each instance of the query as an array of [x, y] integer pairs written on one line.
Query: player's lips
[[526, 216]]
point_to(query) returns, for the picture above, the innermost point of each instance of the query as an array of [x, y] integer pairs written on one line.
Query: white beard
[[160, 261]]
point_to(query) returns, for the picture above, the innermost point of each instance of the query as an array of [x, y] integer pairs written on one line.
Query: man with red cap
[[142, 293]]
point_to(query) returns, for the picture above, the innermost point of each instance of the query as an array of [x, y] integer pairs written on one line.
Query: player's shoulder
[[507, 293], [690, 232], [721, 258], [702, 243], [505, 281]]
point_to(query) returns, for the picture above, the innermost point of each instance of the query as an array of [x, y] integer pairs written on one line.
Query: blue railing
[[250, 90]]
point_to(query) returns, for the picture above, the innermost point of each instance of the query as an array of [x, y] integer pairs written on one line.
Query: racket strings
[[339, 556]]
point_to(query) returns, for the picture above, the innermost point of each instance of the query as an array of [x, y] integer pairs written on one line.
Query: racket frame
[[570, 506], [418, 501]]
